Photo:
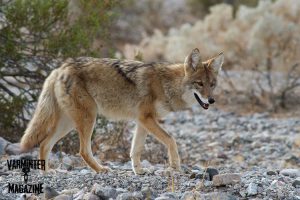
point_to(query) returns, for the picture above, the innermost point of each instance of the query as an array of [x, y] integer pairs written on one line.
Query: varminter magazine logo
[[26, 166]]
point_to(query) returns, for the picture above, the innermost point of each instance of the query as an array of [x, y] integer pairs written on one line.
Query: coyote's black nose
[[211, 100]]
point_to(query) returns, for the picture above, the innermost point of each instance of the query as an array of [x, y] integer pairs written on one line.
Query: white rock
[[84, 171], [252, 189], [291, 172], [63, 197]]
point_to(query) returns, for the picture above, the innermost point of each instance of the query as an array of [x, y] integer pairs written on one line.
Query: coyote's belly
[[116, 104], [119, 111]]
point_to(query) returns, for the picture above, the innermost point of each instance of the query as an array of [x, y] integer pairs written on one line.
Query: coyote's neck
[[173, 87]]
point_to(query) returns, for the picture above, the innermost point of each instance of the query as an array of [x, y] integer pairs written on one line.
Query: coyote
[[76, 92]]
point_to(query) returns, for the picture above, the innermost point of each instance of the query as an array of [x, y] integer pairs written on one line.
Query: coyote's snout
[[119, 89]]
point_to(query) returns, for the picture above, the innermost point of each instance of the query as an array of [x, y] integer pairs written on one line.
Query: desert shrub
[[262, 88], [272, 90], [201, 7], [141, 17], [35, 37]]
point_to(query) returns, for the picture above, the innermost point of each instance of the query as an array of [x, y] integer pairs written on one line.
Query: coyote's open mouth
[[204, 105]]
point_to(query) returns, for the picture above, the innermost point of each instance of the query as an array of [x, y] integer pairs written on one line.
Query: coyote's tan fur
[[74, 93]]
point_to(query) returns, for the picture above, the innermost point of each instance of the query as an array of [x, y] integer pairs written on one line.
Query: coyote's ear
[[217, 62], [193, 61]]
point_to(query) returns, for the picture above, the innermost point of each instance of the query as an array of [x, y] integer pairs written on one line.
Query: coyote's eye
[[212, 85], [199, 83]]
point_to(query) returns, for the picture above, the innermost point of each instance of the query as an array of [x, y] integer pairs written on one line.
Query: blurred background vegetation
[[257, 37], [35, 37], [204, 5]]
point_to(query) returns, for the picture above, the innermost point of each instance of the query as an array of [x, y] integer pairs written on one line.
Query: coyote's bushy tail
[[45, 117]]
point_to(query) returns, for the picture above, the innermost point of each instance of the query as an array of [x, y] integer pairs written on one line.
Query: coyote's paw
[[174, 169], [104, 169], [141, 171]]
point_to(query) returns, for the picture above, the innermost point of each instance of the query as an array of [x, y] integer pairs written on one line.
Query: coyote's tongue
[[204, 105]]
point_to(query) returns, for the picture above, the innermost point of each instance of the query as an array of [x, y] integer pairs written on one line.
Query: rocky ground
[[224, 156]]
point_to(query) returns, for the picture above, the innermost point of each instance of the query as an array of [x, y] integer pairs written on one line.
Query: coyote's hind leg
[[63, 127], [84, 117], [82, 109]]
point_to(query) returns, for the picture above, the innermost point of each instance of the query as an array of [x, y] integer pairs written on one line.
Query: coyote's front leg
[[150, 124], [137, 147]]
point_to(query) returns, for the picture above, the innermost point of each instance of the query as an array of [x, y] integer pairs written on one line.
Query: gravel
[[224, 156]]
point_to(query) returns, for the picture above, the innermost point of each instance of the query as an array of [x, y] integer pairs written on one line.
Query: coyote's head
[[201, 77]]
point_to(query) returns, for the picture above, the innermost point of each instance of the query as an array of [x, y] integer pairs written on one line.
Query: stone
[[296, 198], [217, 195], [192, 175], [297, 141], [226, 179], [92, 196], [185, 169], [196, 168], [109, 192], [163, 198], [54, 161], [80, 194], [160, 172], [170, 195], [25, 196], [147, 193], [242, 193], [222, 155], [252, 189], [293, 159], [13, 149], [201, 175], [63, 197], [212, 172], [189, 195], [84, 171], [277, 185], [293, 173], [238, 158], [27, 157], [296, 183], [3, 145], [130, 196], [67, 163], [50, 193], [271, 173], [4, 173], [205, 183], [208, 183], [104, 192], [120, 191], [71, 192]]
